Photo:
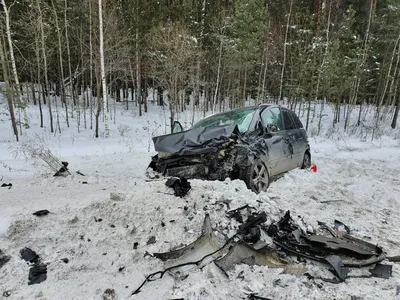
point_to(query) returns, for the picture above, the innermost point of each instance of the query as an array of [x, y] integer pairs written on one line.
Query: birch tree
[[8, 91], [102, 70]]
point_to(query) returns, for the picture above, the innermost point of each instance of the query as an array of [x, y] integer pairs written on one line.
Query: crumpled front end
[[213, 166], [207, 153]]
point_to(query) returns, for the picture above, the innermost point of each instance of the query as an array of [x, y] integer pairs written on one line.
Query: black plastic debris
[[65, 260], [3, 258], [40, 213], [9, 185], [381, 271], [63, 171], [252, 222], [120, 269], [255, 297], [181, 186], [151, 240], [37, 274], [29, 255], [336, 262]]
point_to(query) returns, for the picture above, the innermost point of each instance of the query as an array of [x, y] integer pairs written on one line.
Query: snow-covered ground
[[359, 179]]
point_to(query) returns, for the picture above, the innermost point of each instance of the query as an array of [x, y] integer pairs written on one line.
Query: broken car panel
[[252, 144]]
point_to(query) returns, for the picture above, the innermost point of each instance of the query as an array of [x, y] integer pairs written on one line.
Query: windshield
[[241, 117]]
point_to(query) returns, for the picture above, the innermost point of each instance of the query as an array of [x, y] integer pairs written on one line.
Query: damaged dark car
[[254, 144]]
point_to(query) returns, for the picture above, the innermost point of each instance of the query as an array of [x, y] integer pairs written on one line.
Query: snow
[[358, 176]]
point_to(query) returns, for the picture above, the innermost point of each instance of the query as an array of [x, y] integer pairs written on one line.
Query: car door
[[280, 149], [300, 145], [295, 137]]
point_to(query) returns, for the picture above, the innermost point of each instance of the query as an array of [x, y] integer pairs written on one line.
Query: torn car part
[[180, 186], [37, 274], [206, 244], [40, 213], [337, 264], [381, 271], [29, 255], [194, 141], [242, 252]]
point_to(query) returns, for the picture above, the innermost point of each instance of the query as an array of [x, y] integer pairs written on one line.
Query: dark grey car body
[[274, 136]]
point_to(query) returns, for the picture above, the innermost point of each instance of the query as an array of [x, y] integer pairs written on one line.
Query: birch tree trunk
[[322, 66], [62, 83], [71, 79], [284, 50], [45, 64], [13, 65], [102, 70], [8, 91], [218, 73], [91, 65], [138, 75]]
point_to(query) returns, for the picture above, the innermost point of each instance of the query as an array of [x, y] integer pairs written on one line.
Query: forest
[[77, 59]]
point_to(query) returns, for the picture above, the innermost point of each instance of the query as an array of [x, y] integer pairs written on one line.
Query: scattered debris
[[84, 182], [6, 294], [109, 294], [255, 297], [40, 213], [135, 245], [331, 201], [98, 220], [256, 243], [29, 255], [337, 264], [65, 260], [9, 185], [151, 240], [37, 274], [79, 173], [120, 269], [3, 258], [381, 271], [243, 253], [63, 171], [181, 186]]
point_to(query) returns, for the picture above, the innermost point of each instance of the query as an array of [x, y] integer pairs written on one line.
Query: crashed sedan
[[254, 144]]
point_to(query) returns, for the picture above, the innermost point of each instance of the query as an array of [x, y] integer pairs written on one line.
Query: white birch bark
[[102, 70]]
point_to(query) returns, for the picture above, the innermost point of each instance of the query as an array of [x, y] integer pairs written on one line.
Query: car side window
[[289, 124], [296, 120], [272, 118]]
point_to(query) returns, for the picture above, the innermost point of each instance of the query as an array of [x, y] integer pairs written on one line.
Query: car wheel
[[306, 161], [256, 176]]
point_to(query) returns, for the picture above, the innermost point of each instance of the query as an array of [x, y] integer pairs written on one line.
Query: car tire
[[256, 176], [306, 160]]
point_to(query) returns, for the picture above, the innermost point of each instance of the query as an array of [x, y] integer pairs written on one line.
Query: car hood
[[194, 141]]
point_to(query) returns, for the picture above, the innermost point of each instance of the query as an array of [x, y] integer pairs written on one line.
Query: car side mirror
[[177, 127]]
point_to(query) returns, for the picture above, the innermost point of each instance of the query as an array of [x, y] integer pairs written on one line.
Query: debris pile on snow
[[258, 244]]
